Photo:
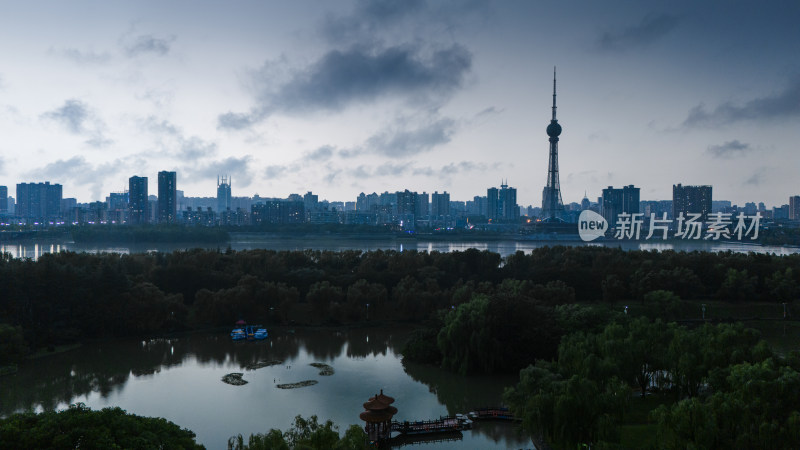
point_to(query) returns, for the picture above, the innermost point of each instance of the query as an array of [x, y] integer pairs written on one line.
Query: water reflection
[[179, 379], [35, 249], [104, 367]]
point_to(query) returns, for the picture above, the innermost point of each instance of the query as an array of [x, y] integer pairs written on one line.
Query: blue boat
[[249, 332], [260, 334], [238, 334]]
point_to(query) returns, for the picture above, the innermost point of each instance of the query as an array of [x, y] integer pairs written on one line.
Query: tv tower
[[552, 206]]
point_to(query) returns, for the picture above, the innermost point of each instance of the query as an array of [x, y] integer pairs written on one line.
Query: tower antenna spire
[[554, 92]]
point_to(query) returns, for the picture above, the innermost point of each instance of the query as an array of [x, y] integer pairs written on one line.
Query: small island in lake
[[299, 384]]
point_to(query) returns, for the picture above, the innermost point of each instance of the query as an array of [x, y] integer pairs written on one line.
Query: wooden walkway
[[441, 425], [492, 413]]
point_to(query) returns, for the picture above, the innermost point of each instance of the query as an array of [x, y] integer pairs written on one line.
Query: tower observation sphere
[[554, 129]]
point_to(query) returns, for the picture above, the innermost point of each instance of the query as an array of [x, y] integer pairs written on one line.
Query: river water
[[34, 249], [180, 379]]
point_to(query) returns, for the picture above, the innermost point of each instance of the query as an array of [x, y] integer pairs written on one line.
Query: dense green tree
[[782, 286], [757, 409], [12, 344], [80, 427], [305, 434], [498, 333], [738, 286]]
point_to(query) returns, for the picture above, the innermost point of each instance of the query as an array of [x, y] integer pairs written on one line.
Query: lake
[[248, 241], [180, 379]]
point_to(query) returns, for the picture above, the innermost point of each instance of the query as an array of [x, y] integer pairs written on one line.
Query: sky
[[344, 97]]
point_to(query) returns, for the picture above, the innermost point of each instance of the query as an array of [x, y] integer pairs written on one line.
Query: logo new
[[591, 225]]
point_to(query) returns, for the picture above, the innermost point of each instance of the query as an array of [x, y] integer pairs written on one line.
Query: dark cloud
[[391, 169], [784, 104], [372, 18], [652, 28], [147, 44], [172, 140], [323, 153], [368, 17], [403, 142], [358, 75], [73, 115], [490, 111], [76, 171], [277, 171], [194, 148], [236, 121], [238, 168], [362, 172], [332, 174], [83, 56], [78, 119], [758, 177], [463, 166], [730, 149]]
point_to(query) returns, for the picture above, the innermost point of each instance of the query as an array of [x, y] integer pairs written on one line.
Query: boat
[[249, 332], [238, 334], [260, 334]]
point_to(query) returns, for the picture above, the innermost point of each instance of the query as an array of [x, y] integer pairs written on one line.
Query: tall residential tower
[[137, 200], [167, 197], [223, 194]]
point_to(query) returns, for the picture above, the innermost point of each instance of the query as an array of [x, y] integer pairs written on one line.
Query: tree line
[[67, 296], [109, 428]]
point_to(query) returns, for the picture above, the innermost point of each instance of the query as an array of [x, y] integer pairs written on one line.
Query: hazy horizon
[[340, 98]]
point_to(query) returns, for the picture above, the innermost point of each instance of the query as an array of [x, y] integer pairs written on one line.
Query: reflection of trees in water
[[323, 344], [102, 367], [458, 393], [501, 433], [105, 367], [363, 342]]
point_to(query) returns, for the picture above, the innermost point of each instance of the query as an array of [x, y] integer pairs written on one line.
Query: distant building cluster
[[43, 204]]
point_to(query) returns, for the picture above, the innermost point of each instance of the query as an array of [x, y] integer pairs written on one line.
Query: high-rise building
[[223, 194], [691, 199], [38, 201], [406, 202], [618, 201], [492, 197], [278, 212], [167, 197], [552, 205], [585, 203], [137, 201], [423, 205], [478, 206], [501, 204], [794, 207], [117, 207], [3, 199], [440, 204], [507, 203], [310, 201]]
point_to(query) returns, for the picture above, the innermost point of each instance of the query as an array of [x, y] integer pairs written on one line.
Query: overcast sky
[[340, 97]]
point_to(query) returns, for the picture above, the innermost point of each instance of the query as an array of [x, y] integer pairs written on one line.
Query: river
[[248, 241], [180, 379]]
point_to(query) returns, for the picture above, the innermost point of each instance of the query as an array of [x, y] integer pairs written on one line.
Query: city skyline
[[350, 97]]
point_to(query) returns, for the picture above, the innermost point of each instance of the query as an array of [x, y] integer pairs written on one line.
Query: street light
[[704, 311]]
